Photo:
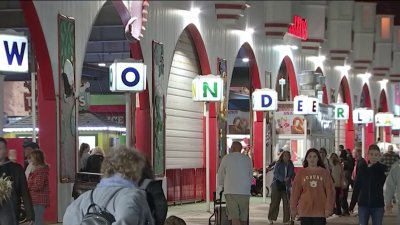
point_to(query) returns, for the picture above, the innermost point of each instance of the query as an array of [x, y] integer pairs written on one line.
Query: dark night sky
[[387, 7]]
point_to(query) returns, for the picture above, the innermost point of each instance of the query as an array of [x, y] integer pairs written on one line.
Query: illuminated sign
[[341, 111], [384, 119], [207, 88], [363, 116], [303, 105], [299, 28], [265, 100], [14, 53], [127, 76], [396, 123]]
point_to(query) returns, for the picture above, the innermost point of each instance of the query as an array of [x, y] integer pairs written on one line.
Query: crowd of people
[[320, 189]]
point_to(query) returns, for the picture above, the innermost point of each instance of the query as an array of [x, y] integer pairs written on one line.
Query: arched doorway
[[185, 122], [345, 130], [286, 73], [365, 102], [383, 132], [243, 124]]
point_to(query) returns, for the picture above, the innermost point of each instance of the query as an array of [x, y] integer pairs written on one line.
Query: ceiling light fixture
[[195, 11], [245, 60], [101, 64]]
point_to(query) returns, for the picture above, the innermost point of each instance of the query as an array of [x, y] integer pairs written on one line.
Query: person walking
[[234, 175], [338, 180], [324, 156], [348, 166], [93, 164], [19, 190], [389, 158], [83, 155], [392, 185], [118, 192], [281, 184], [38, 185], [29, 146], [312, 197], [368, 189], [360, 163]]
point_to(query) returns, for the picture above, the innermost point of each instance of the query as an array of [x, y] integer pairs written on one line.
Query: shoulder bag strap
[[93, 205]]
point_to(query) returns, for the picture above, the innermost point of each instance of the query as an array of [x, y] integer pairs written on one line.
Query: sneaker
[[270, 222]]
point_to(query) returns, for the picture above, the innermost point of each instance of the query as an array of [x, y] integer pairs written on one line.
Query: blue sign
[[130, 83]]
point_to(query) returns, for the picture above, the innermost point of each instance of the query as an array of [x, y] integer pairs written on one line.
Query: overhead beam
[[107, 53]]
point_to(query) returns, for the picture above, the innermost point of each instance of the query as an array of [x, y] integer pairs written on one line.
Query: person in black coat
[[19, 189], [93, 164], [368, 189]]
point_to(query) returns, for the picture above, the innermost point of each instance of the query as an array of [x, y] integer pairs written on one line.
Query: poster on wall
[[238, 122], [67, 100], [158, 109], [286, 122], [223, 108]]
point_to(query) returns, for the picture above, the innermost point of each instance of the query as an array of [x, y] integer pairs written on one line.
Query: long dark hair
[[82, 148], [281, 156], [319, 163]]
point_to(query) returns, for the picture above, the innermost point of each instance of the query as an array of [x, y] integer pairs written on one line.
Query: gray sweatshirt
[[129, 206], [392, 184]]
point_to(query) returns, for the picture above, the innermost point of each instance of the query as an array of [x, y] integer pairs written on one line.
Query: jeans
[[276, 196], [313, 220], [376, 214], [39, 213]]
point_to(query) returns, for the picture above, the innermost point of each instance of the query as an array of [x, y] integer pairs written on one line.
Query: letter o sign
[[124, 74]]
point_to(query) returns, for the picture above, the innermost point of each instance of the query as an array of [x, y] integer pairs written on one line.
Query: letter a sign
[[14, 53], [265, 100], [207, 88]]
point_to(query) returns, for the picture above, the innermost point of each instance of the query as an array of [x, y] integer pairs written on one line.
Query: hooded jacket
[[392, 184]]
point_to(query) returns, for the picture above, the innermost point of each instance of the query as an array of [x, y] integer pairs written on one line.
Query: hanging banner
[[384, 119], [363, 116], [68, 102], [158, 109], [238, 122], [223, 108], [286, 122]]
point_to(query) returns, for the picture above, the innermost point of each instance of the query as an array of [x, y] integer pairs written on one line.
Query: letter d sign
[[265, 100]]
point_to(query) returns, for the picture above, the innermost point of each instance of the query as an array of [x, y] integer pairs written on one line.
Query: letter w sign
[[14, 53]]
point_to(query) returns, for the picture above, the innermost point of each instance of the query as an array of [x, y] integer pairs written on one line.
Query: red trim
[[230, 6], [282, 25], [227, 16], [46, 103], [310, 48], [382, 68], [394, 75], [362, 61], [349, 127], [291, 76], [384, 108], [205, 70], [142, 113], [273, 33], [360, 67], [314, 40], [379, 74], [338, 58], [339, 51], [325, 95], [369, 134]]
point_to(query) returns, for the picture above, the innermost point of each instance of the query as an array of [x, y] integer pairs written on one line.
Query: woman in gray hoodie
[[117, 192], [392, 186]]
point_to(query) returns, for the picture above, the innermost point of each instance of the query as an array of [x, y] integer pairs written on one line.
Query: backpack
[[156, 200], [99, 215]]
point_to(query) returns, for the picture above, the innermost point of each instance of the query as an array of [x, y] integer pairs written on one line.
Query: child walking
[[313, 191], [368, 189]]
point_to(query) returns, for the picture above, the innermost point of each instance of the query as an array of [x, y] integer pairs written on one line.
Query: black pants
[[338, 208], [344, 202], [313, 220]]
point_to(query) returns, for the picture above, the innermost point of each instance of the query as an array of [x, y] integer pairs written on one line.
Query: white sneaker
[[270, 222]]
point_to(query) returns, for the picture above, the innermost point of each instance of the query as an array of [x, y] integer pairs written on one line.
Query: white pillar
[[264, 158], [207, 156], [1, 104], [128, 106]]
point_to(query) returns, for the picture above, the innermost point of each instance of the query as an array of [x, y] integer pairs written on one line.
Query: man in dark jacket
[[360, 163], [368, 189], [19, 184]]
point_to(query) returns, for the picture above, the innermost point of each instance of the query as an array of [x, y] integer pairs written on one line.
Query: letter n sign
[[14, 53], [207, 88], [265, 100]]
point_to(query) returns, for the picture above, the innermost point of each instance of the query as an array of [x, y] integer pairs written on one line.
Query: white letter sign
[[265, 100], [127, 76], [207, 88], [363, 116], [341, 111], [14, 53], [384, 119], [396, 123], [303, 105]]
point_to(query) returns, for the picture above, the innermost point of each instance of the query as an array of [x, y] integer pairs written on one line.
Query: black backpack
[[156, 199], [99, 215]]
